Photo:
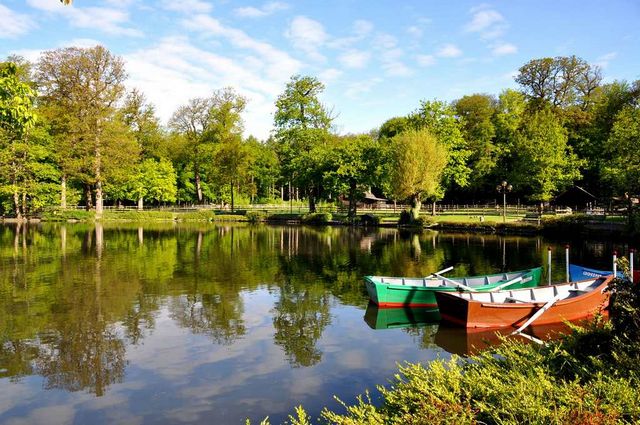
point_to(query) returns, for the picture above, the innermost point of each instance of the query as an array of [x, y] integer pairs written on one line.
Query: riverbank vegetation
[[72, 134], [588, 377]]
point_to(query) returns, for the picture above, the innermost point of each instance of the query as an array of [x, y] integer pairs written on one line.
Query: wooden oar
[[532, 338], [453, 282], [538, 313], [507, 283], [448, 269]]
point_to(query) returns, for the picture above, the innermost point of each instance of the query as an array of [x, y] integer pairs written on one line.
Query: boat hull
[[397, 295], [479, 314]]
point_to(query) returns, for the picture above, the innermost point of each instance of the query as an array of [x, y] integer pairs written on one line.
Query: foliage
[[623, 171], [255, 216], [418, 163], [59, 214], [132, 215], [316, 218]]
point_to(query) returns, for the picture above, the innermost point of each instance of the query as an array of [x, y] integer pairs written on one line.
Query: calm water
[[214, 324]]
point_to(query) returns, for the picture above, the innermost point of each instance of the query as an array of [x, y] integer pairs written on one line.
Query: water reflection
[[204, 323]]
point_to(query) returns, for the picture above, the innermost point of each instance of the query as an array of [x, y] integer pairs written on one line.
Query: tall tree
[[544, 163], [17, 117], [353, 167], [301, 122], [559, 81], [82, 86], [476, 112], [193, 120], [418, 161]]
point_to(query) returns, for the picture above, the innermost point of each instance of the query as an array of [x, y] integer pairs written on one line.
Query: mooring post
[[566, 259], [549, 264], [615, 264], [631, 252]]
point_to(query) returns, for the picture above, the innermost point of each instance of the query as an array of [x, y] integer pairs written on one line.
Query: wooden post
[[549, 265], [566, 255], [615, 264]]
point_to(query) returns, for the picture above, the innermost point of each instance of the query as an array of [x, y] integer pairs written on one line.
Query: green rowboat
[[419, 292]]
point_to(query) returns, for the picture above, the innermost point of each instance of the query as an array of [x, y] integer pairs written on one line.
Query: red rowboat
[[567, 301]]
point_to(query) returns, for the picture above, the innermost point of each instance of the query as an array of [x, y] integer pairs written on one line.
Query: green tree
[[82, 87], [623, 170], [353, 166], [476, 112], [559, 81], [264, 169], [418, 161], [231, 157], [543, 162], [17, 118], [301, 123]]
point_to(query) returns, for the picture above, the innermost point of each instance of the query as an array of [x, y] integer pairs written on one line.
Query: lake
[[187, 323]]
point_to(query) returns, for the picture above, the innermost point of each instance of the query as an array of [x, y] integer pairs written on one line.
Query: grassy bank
[[591, 376]]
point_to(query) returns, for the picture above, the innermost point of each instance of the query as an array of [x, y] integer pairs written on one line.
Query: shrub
[[135, 215], [198, 215], [369, 220], [66, 215], [255, 216], [317, 218]]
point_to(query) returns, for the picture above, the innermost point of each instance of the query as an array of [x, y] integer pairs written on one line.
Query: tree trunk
[[415, 208], [353, 205], [433, 208], [24, 203], [99, 202], [63, 192], [198, 186], [232, 203], [312, 201], [16, 202], [140, 203], [88, 197]]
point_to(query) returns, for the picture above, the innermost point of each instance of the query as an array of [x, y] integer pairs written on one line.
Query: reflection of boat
[[467, 342], [404, 317], [419, 292], [567, 301], [577, 273]]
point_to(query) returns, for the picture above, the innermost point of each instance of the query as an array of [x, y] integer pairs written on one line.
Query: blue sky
[[377, 58]]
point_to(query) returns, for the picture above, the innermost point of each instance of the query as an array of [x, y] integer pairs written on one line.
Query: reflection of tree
[[424, 336], [83, 356], [300, 317], [15, 359], [216, 315]]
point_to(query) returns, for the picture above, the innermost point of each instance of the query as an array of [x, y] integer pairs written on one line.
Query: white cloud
[[267, 9], [415, 31], [354, 59], [502, 49], [603, 61], [362, 28], [308, 36], [108, 20], [329, 75], [187, 6], [361, 87], [385, 41], [425, 60], [14, 24], [487, 22], [449, 51]]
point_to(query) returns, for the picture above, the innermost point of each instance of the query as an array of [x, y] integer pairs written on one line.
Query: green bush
[[369, 220], [66, 215], [230, 217], [317, 218], [135, 215], [198, 215], [255, 216]]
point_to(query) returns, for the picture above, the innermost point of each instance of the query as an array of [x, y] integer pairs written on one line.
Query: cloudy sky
[[377, 58]]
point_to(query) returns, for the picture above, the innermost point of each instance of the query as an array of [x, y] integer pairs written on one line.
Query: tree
[[559, 81], [441, 120], [81, 87], [476, 113], [17, 117], [622, 171], [301, 123], [418, 163], [353, 165], [193, 120], [264, 169], [392, 127], [543, 162]]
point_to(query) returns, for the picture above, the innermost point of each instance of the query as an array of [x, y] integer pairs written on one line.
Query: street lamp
[[504, 188]]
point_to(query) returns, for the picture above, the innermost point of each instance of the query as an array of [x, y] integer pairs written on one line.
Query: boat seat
[[515, 300], [579, 291]]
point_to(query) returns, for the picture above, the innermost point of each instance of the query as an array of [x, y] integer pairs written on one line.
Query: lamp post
[[504, 188]]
